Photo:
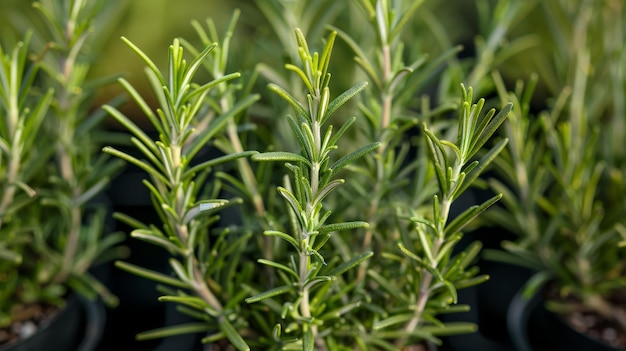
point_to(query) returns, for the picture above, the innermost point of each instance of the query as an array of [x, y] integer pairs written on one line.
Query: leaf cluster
[[51, 171], [559, 203], [312, 180], [186, 122]]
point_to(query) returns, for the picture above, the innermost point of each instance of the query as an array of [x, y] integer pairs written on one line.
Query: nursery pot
[[494, 297], [76, 327], [534, 328]]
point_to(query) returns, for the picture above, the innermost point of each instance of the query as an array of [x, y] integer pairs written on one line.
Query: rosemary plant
[[54, 171], [311, 295], [204, 260], [418, 268], [80, 172], [22, 116], [562, 205], [307, 275]]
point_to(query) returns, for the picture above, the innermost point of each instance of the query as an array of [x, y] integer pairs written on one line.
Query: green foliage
[[328, 280], [412, 184], [51, 169], [312, 180], [204, 258], [561, 203], [366, 259], [21, 119]]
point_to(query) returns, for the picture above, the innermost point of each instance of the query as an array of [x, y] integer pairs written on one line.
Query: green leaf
[[353, 156], [149, 236], [421, 263], [150, 274], [291, 200], [470, 252], [393, 320], [528, 260], [470, 214], [143, 105], [279, 290], [448, 246], [341, 311], [452, 328], [174, 330], [280, 156], [235, 339], [321, 195], [346, 266], [467, 283], [411, 255], [346, 125], [191, 301], [535, 282], [147, 60], [203, 207], [145, 150], [179, 270], [279, 266], [218, 124], [361, 58], [439, 160], [326, 54], [342, 99], [477, 170], [128, 220], [303, 77], [300, 110], [489, 129], [131, 127], [217, 161], [302, 140], [146, 167], [201, 90], [338, 227], [192, 69], [452, 290], [288, 238], [309, 341]]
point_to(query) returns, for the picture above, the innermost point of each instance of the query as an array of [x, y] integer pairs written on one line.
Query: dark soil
[[26, 321], [599, 328], [596, 326]]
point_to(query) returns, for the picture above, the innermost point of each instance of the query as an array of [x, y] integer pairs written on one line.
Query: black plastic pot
[[488, 302], [187, 342], [494, 297], [78, 327], [139, 309], [534, 328]]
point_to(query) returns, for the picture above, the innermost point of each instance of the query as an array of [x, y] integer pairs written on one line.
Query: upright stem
[[16, 155], [245, 170], [386, 99], [182, 231], [12, 174], [305, 257], [424, 290], [199, 284], [425, 283], [67, 169]]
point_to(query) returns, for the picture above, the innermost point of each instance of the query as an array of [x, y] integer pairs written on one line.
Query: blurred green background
[[152, 24]]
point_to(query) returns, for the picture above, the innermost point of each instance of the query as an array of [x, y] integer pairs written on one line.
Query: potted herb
[[560, 176], [311, 291], [52, 227]]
